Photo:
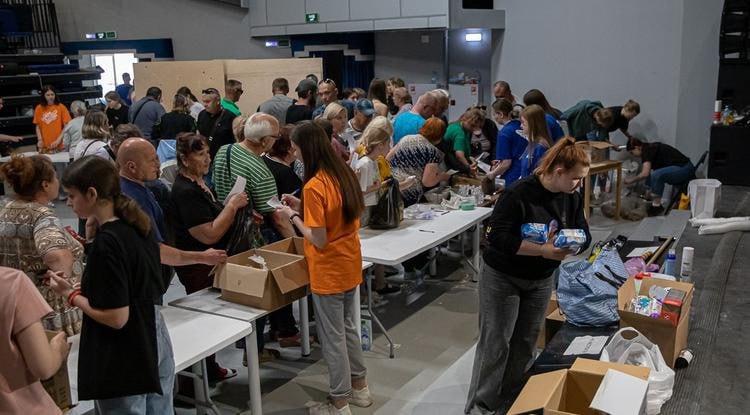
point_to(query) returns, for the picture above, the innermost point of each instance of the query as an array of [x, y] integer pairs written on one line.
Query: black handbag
[[389, 211]]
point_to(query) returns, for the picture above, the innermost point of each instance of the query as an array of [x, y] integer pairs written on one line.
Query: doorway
[[114, 65]]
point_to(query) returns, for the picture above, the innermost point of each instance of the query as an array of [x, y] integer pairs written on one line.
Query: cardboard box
[[242, 282], [542, 340], [599, 145], [58, 386], [571, 391], [552, 324], [294, 246], [671, 339]]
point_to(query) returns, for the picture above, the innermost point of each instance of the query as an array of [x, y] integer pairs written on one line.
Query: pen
[[425, 230], [295, 192]]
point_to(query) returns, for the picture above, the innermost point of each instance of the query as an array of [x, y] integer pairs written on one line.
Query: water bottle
[[366, 333], [687, 263], [671, 263]]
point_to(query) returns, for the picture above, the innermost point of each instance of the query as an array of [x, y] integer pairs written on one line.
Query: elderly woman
[[201, 221], [71, 134], [336, 115], [417, 155], [32, 238]]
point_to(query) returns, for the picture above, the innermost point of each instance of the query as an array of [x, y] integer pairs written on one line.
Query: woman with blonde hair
[[95, 134], [336, 114]]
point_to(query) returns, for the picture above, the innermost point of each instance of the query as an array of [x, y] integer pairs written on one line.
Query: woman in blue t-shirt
[[534, 128]]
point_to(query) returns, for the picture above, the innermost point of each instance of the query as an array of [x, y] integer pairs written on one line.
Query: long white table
[[62, 157], [411, 238], [194, 336]]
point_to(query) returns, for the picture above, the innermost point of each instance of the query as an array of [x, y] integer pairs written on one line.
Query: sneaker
[[655, 210], [329, 408], [477, 410], [221, 375], [269, 355], [388, 289], [361, 397]]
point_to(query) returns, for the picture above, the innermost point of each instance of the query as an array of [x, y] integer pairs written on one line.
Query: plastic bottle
[[687, 263], [366, 331], [725, 115], [671, 263], [638, 280]]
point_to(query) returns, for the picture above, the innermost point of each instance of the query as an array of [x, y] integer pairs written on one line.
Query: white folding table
[[412, 237], [194, 336]]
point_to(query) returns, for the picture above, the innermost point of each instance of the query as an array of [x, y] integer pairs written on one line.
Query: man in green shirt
[[232, 93]]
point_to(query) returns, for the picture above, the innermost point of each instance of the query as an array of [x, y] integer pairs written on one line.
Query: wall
[[472, 58], [662, 53], [199, 29], [287, 17], [404, 55]]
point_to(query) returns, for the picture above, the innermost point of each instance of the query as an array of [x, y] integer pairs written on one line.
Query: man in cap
[[302, 108], [364, 110]]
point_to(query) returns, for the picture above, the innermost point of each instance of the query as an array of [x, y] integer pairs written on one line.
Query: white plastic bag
[[704, 197], [640, 351]]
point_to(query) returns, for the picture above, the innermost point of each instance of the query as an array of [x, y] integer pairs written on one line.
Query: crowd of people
[[328, 156]]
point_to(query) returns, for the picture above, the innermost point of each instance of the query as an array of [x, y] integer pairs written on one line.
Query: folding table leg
[[304, 319], [375, 318], [202, 398], [476, 251], [357, 312], [253, 372]]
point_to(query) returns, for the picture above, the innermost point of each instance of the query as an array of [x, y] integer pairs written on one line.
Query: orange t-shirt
[[51, 119], [337, 268]]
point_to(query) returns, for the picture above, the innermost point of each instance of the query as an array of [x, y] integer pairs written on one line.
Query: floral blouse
[[28, 231]]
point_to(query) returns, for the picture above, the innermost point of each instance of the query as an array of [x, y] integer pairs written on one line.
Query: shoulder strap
[[110, 152], [87, 148], [138, 111], [229, 159]]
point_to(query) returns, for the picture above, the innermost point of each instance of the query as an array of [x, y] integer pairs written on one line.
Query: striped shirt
[[260, 187]]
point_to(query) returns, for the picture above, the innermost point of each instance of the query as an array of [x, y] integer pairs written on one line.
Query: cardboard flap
[[620, 394], [601, 145], [244, 280], [291, 276], [294, 245], [218, 272], [600, 368], [538, 392]]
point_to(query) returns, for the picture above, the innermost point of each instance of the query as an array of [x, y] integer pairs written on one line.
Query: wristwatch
[[291, 218]]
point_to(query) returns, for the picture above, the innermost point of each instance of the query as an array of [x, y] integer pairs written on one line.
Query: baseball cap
[[365, 106], [306, 85]]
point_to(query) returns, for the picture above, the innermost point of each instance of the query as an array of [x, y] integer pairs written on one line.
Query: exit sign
[[311, 18]]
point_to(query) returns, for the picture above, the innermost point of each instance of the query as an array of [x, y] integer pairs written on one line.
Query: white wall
[[404, 55], [200, 29], [613, 50]]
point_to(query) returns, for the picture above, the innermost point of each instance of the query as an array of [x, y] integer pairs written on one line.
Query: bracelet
[[72, 296], [291, 218]]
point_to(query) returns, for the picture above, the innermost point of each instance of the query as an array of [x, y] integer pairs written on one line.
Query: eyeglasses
[[328, 81], [210, 91], [240, 91]]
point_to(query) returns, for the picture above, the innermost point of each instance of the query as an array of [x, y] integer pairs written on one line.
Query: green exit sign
[[311, 18], [101, 35]]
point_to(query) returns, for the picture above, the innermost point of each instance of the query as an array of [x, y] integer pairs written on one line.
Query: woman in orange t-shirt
[[50, 116], [331, 206]]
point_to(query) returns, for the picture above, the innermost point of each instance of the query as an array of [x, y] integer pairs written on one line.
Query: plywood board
[[257, 75], [171, 75]]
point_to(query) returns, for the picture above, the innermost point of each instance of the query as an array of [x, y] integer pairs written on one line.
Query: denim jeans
[[674, 175], [150, 403], [511, 312]]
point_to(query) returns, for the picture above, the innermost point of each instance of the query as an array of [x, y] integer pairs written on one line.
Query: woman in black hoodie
[[517, 281]]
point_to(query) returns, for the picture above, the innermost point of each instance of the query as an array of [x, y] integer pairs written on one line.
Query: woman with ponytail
[[534, 129], [125, 359], [517, 281]]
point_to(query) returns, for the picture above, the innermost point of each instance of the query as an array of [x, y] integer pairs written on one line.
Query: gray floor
[[435, 327]]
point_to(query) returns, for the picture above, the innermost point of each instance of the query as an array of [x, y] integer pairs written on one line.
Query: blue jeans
[[150, 403], [674, 175]]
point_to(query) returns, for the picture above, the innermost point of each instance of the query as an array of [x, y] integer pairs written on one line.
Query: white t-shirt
[[368, 175], [88, 147]]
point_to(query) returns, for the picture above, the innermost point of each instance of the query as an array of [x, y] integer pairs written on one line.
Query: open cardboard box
[[599, 145], [58, 386], [242, 281], [671, 340], [553, 323], [571, 391]]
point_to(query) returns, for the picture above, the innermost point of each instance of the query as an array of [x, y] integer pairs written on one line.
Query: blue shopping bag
[[587, 292]]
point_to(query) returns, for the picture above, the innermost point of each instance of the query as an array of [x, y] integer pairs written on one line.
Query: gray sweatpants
[[511, 312], [342, 349]]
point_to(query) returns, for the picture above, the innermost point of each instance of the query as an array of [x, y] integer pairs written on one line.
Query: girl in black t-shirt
[[517, 281], [125, 359]]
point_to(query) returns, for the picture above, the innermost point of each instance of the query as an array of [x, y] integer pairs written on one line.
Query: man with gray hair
[[215, 122], [244, 160], [410, 122], [71, 134], [279, 103]]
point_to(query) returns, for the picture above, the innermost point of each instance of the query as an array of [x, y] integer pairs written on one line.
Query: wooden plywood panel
[[256, 76], [171, 75]]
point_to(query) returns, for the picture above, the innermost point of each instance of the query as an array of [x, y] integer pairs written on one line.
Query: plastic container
[[670, 265], [705, 195], [686, 268]]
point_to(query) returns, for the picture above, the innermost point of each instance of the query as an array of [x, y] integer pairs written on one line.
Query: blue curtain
[[345, 70]]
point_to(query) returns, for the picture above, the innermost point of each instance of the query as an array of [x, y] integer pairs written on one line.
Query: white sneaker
[[328, 408], [361, 397]]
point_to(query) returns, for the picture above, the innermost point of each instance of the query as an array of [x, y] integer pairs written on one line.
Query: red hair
[[566, 154], [433, 129]]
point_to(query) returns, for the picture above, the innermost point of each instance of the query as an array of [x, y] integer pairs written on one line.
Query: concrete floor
[[435, 327]]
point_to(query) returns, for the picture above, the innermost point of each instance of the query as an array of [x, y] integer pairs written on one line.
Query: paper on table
[[484, 166], [640, 251], [239, 187], [274, 202], [586, 345]]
